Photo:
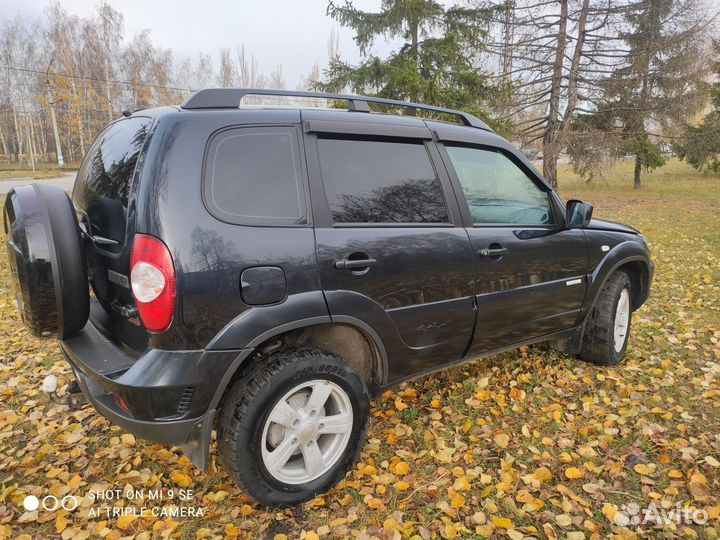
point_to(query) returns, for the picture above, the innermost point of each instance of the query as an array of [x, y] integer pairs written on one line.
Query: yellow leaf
[[128, 439], [712, 461], [181, 479], [610, 511], [573, 472], [311, 535], [400, 404], [401, 468], [280, 536], [502, 440], [645, 469], [457, 501], [563, 520], [435, 404], [125, 521], [461, 484], [674, 473], [503, 523], [542, 474], [369, 470], [402, 485], [698, 478], [484, 530], [375, 503], [61, 523]]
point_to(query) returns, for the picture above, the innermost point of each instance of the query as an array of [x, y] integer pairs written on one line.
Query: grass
[[42, 170], [476, 437]]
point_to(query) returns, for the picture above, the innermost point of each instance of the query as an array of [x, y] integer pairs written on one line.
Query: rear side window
[[370, 181], [105, 177], [253, 177]]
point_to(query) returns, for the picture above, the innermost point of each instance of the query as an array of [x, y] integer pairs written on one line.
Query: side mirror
[[578, 214]]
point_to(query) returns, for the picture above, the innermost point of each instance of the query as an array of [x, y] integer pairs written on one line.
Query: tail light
[[152, 280]]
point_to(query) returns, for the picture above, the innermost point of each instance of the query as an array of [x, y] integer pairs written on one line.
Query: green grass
[[42, 170]]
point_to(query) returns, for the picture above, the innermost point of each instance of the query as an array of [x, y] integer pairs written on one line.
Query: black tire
[[598, 346], [46, 261], [248, 403]]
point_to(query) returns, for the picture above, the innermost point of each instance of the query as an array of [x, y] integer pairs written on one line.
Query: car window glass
[[253, 176], [105, 176], [497, 190], [368, 181]]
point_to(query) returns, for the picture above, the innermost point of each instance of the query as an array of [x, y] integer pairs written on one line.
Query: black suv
[[264, 271]]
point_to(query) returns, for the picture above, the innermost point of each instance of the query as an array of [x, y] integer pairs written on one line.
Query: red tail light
[[152, 280]]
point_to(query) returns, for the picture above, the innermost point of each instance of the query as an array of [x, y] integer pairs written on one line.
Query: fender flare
[[623, 253]]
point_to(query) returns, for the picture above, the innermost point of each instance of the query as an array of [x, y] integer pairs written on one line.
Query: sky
[[293, 33]]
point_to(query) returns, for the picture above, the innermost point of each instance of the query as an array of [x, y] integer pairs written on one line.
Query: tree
[[436, 64], [653, 86], [545, 50], [701, 144]]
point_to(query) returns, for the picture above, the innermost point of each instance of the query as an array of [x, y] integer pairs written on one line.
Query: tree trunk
[[414, 51], [551, 149], [572, 98], [4, 145], [638, 170]]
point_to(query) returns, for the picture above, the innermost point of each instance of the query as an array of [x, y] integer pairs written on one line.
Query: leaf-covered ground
[[529, 443]]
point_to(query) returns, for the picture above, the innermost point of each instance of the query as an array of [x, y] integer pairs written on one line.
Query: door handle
[[493, 252], [354, 264]]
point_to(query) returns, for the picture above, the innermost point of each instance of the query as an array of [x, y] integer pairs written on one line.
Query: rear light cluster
[[153, 282]]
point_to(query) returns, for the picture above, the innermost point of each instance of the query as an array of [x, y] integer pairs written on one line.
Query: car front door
[[391, 247], [529, 269]]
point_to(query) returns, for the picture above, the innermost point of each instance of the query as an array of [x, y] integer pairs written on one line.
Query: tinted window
[[380, 182], [105, 177], [252, 176], [497, 190]]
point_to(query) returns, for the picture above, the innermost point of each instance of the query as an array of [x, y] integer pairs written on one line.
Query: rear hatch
[[104, 199]]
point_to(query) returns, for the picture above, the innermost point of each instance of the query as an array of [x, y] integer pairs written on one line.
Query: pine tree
[[437, 63], [657, 84], [701, 145]]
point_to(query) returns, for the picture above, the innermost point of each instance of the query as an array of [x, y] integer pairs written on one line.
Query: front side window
[[253, 177], [498, 191], [369, 181]]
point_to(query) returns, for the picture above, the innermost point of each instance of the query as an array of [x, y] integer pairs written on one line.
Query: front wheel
[[608, 326], [293, 425]]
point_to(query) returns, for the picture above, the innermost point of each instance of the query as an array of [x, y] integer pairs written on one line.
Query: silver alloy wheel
[[306, 432], [622, 320]]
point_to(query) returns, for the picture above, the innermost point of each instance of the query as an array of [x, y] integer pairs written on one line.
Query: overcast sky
[[293, 33]]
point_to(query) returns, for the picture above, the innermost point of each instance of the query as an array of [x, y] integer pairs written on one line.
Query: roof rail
[[230, 98]]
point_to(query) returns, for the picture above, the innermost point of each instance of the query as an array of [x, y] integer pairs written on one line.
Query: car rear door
[[391, 248], [530, 269]]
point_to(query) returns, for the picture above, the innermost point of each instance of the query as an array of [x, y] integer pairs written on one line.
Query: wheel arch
[[349, 338], [629, 257]]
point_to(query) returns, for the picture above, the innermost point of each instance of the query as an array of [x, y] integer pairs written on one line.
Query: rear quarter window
[[105, 177], [253, 176]]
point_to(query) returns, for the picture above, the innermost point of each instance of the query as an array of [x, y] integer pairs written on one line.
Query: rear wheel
[[293, 425], [608, 326]]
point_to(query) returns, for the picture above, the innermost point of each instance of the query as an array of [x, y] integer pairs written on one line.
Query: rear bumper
[[170, 395]]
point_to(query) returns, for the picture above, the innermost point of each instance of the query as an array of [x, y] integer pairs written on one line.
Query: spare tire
[[46, 260]]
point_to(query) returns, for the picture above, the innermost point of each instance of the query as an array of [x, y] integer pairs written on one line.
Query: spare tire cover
[[46, 260]]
